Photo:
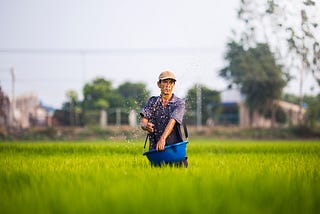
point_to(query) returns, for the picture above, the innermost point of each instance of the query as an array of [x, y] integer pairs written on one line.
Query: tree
[[313, 111], [312, 103], [96, 94], [73, 107], [4, 108], [135, 94], [99, 95], [256, 74], [290, 27], [210, 100]]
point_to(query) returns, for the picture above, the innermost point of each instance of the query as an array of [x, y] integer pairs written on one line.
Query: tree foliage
[[73, 108], [313, 111], [289, 27], [256, 74], [98, 94], [135, 94], [210, 102], [4, 106]]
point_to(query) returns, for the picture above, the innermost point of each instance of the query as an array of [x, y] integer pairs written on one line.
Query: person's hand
[[149, 127], [160, 145]]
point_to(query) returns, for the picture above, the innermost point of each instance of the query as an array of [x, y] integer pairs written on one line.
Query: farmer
[[163, 115]]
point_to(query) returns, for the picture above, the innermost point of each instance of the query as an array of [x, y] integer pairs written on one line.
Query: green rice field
[[114, 177]]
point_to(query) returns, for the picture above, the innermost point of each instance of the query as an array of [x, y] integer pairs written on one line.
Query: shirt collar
[[172, 100]]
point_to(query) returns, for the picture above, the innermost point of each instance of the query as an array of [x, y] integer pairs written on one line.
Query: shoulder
[[153, 99], [177, 100]]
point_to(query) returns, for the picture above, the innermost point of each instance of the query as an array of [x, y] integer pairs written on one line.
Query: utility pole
[[13, 101], [199, 108], [118, 116]]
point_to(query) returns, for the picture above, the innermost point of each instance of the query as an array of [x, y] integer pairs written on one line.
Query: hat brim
[[167, 78]]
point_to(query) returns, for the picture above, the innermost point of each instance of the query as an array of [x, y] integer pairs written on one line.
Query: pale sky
[[55, 46]]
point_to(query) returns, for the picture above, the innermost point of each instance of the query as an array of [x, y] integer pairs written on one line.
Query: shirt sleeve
[[147, 109], [179, 110]]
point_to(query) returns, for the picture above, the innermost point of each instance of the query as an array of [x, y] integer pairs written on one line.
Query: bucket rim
[[166, 147]]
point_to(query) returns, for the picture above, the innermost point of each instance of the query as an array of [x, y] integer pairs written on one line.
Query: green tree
[[256, 74], [4, 107], [210, 103], [96, 94], [291, 98], [73, 107], [311, 103], [135, 94], [292, 32], [313, 110], [99, 95], [71, 111]]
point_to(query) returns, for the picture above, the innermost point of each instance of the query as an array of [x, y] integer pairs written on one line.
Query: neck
[[166, 97]]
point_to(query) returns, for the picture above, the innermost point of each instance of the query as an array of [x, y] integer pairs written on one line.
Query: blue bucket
[[171, 154]]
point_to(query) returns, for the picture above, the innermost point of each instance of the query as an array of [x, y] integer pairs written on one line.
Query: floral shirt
[[160, 116]]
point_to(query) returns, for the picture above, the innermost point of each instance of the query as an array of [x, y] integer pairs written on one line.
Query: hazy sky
[[59, 45]]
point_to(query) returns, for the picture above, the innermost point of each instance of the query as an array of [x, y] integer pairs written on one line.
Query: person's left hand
[[160, 145]]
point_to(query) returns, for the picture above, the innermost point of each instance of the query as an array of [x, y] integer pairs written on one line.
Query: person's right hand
[[149, 127]]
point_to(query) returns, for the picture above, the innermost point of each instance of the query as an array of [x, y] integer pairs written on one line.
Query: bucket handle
[[145, 142]]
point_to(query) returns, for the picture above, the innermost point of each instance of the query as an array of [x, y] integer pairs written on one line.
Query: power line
[[28, 81], [199, 50]]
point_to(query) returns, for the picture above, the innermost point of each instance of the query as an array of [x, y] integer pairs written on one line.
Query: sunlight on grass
[[223, 177]]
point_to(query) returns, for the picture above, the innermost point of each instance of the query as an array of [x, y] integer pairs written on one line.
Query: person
[[162, 115]]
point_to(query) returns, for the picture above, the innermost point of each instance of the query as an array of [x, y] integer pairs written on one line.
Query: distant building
[[25, 109], [29, 112], [235, 112]]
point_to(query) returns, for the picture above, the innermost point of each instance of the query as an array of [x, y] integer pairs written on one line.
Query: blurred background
[[77, 64]]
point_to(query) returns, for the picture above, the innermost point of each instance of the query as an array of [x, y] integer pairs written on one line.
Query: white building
[[239, 113]]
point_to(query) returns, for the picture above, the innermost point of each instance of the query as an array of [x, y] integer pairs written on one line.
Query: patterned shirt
[[160, 116]]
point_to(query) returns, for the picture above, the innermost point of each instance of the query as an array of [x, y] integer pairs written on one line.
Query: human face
[[166, 86]]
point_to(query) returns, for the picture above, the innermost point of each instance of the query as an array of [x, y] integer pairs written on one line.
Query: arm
[[145, 125], [162, 141], [147, 113]]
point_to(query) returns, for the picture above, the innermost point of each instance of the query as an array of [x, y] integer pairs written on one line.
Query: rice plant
[[114, 177]]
